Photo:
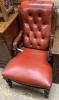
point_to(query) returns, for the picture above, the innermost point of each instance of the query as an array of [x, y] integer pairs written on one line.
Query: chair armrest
[[50, 58], [17, 41]]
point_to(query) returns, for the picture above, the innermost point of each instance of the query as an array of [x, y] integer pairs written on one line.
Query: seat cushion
[[30, 67]]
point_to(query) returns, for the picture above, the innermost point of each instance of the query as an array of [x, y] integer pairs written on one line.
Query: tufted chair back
[[36, 23]]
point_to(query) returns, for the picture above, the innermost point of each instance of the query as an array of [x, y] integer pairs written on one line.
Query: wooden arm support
[[50, 59]]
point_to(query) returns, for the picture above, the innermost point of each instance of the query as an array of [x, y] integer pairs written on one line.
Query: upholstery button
[[43, 37], [44, 23], [35, 36], [27, 34], [31, 29], [39, 29], [39, 14], [30, 44], [35, 22], [30, 14]]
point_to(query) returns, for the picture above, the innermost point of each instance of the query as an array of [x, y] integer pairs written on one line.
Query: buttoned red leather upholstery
[[31, 66], [36, 25]]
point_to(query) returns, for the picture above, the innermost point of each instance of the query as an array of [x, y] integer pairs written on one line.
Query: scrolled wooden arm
[[17, 41]]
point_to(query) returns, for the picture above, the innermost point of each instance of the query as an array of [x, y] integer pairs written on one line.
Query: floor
[[19, 92]]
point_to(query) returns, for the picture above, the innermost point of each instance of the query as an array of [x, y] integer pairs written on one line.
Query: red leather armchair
[[31, 66]]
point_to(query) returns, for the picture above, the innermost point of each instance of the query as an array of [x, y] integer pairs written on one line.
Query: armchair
[[30, 66]]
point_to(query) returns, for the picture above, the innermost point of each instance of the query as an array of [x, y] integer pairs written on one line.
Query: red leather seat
[[31, 66]]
